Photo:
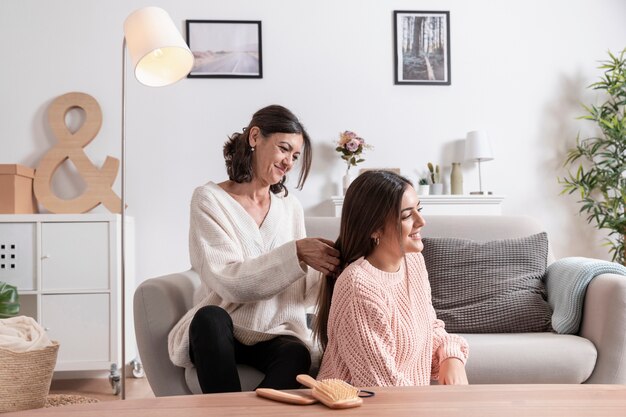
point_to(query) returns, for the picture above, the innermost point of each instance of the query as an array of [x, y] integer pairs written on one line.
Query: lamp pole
[[160, 57], [480, 179], [123, 225]]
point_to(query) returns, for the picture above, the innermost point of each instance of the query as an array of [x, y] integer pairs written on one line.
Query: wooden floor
[[100, 388]]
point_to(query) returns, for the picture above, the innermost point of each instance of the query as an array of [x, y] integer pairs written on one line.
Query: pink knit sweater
[[380, 333]]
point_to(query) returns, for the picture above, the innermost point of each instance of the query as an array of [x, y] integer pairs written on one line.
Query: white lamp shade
[[158, 52], [477, 146]]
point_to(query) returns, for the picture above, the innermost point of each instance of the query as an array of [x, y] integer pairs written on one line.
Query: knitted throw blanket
[[566, 281]]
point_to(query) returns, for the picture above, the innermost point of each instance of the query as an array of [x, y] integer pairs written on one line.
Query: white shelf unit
[[447, 204], [67, 270]]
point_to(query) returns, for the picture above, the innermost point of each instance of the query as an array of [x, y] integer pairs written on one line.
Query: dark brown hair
[[373, 199], [270, 119]]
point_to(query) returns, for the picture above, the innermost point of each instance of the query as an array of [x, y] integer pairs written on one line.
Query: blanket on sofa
[[566, 281]]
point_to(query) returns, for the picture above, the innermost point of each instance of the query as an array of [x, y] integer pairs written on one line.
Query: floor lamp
[[159, 57], [478, 148]]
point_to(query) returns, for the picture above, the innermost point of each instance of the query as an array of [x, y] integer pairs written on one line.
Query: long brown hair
[[270, 119], [372, 200]]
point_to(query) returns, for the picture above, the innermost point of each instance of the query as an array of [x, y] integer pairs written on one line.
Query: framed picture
[[422, 47], [225, 48]]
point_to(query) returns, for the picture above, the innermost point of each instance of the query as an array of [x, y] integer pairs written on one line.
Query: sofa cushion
[[489, 287], [529, 358]]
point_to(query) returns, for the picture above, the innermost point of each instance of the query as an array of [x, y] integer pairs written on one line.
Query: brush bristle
[[337, 390]]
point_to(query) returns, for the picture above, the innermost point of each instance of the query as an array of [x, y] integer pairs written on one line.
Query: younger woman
[[381, 328]]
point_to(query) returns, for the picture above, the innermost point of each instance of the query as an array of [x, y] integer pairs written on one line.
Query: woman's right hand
[[318, 253]]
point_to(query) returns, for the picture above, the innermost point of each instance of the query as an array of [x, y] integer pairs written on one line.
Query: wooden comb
[[333, 393], [286, 397]]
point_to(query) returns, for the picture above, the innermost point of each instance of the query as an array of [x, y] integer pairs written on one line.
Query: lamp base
[[481, 193]]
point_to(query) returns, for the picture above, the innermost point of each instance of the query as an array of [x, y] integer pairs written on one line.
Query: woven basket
[[25, 377]]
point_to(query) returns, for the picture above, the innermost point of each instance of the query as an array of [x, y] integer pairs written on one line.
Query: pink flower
[[346, 137], [350, 147], [353, 145]]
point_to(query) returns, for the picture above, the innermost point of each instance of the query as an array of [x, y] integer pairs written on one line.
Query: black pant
[[215, 353]]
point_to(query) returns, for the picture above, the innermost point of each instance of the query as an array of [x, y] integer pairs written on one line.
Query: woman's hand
[[452, 372], [318, 253]]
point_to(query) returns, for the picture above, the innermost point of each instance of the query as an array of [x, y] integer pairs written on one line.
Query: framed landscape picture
[[225, 48], [422, 47]]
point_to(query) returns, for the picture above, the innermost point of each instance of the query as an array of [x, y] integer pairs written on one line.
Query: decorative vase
[[423, 189], [436, 189], [347, 180], [456, 179]]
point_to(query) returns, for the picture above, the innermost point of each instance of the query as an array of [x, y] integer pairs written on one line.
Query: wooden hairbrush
[[333, 393]]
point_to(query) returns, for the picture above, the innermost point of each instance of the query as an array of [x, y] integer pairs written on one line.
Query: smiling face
[[274, 155], [411, 223]]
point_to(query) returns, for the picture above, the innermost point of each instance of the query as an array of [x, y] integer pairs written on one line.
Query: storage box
[[16, 189]]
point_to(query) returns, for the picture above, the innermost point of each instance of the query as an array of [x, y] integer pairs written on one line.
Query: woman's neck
[[384, 260], [251, 191], [254, 199]]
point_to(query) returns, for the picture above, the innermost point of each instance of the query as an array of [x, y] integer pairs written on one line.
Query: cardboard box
[[16, 189]]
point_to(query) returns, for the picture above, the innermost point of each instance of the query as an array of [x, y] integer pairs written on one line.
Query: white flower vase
[[347, 180], [423, 189]]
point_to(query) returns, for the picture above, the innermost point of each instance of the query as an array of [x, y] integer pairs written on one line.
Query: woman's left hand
[[452, 372]]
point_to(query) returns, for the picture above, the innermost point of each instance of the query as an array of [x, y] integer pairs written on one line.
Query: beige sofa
[[597, 354]]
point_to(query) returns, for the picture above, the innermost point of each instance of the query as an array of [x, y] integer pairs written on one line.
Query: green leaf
[[9, 301]]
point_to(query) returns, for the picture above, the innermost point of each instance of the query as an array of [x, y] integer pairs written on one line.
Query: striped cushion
[[489, 287]]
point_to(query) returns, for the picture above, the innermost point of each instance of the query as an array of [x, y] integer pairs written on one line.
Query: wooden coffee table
[[431, 401]]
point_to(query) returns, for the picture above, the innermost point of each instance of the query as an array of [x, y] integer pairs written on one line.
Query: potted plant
[[600, 161], [436, 186], [423, 187], [9, 301]]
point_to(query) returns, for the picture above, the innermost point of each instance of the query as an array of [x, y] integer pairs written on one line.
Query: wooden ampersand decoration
[[70, 146]]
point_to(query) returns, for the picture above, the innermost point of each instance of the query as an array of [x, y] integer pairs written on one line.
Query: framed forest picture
[[422, 47]]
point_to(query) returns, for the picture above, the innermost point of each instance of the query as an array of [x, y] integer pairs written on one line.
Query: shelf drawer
[[17, 255], [81, 325], [75, 256]]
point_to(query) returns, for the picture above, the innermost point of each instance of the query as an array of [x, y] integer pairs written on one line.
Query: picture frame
[[225, 48], [422, 47]]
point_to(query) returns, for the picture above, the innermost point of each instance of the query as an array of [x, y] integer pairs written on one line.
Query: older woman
[[247, 242]]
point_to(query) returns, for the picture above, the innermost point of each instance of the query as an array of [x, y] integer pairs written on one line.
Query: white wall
[[519, 70]]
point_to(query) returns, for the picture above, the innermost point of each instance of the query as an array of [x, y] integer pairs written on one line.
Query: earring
[[251, 148], [376, 241]]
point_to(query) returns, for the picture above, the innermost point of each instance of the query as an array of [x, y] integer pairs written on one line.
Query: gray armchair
[[158, 305], [596, 355]]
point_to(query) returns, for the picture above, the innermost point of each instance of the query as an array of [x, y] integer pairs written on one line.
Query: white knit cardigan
[[251, 272]]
